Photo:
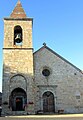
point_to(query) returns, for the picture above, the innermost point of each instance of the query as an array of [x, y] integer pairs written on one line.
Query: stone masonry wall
[[17, 63], [65, 82], [9, 33]]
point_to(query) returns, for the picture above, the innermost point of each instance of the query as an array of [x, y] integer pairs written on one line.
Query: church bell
[[18, 38]]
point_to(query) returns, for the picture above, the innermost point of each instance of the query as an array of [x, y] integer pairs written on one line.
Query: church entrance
[[18, 99], [48, 102], [19, 104]]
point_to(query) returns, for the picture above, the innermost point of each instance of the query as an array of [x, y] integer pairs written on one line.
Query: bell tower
[[18, 86]]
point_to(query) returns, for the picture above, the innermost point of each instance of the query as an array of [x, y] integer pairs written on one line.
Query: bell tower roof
[[18, 11]]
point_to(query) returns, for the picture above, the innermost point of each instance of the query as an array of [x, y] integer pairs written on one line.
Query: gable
[[47, 55]]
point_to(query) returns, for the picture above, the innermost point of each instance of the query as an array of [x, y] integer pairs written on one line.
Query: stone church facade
[[36, 82]]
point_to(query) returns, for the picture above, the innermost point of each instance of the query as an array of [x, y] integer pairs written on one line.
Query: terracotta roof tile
[[18, 11]]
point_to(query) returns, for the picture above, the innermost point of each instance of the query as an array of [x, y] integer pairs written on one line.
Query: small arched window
[[17, 35]]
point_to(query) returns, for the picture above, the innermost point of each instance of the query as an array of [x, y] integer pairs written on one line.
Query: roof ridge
[[45, 46]]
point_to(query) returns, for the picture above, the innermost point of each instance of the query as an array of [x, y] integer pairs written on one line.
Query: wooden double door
[[48, 102]]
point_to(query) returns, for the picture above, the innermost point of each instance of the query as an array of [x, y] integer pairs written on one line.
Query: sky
[[58, 23]]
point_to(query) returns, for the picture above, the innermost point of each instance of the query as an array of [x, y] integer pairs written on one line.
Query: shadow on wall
[[16, 87], [0, 98]]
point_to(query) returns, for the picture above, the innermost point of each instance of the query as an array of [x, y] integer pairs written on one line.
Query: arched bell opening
[[17, 35], [18, 99], [48, 102]]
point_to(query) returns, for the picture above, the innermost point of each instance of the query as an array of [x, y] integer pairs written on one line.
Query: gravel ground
[[54, 117], [45, 117]]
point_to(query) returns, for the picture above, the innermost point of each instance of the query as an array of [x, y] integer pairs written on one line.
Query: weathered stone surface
[[64, 81], [17, 63], [22, 70]]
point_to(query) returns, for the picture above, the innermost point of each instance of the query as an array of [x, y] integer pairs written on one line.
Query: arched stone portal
[[48, 102], [18, 99]]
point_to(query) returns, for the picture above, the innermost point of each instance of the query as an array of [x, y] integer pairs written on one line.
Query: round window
[[46, 72]]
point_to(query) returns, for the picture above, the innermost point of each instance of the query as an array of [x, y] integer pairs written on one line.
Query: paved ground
[[45, 117]]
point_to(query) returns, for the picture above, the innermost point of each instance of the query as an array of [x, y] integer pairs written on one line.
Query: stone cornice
[[47, 86], [23, 19], [17, 48]]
